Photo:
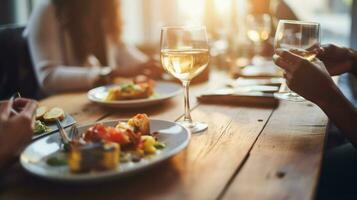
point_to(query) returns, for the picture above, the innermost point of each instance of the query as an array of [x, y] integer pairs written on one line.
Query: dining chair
[[16, 70]]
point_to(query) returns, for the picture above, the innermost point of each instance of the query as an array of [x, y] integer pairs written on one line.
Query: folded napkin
[[230, 96]]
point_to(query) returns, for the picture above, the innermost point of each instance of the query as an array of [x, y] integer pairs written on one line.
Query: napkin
[[231, 96]]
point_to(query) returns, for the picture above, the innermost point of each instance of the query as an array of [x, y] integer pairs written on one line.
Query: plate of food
[[134, 93], [45, 120], [105, 150]]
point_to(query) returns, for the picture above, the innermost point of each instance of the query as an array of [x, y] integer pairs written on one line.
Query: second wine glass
[[185, 54], [300, 38]]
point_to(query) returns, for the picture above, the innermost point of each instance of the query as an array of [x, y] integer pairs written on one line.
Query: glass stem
[[187, 117]]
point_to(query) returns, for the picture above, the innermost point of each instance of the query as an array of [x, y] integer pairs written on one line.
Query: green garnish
[[126, 87], [159, 145], [40, 127], [56, 161]]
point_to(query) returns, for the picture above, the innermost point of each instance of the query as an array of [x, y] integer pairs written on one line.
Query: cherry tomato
[[114, 135]]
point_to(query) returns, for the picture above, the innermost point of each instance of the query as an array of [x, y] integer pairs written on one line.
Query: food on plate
[[97, 156], [40, 127], [138, 88], [53, 114], [140, 122], [129, 135], [44, 116], [40, 112], [103, 147]]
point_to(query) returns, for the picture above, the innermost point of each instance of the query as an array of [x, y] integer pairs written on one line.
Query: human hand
[[152, 69], [15, 130], [309, 79], [338, 60]]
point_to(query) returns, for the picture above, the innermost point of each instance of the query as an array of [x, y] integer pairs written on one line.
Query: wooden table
[[246, 153]]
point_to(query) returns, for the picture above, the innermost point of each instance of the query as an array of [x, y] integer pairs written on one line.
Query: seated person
[[276, 9], [72, 41], [16, 130], [312, 81]]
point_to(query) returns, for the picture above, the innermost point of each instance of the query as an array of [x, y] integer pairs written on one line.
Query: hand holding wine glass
[[185, 54], [309, 79], [301, 39]]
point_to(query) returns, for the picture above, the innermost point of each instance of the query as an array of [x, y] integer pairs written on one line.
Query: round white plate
[[164, 91], [33, 158]]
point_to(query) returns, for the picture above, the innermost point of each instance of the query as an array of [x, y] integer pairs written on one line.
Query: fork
[[64, 137], [73, 132]]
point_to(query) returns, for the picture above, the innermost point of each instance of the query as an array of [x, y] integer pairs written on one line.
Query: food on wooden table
[[53, 114], [138, 88], [103, 147]]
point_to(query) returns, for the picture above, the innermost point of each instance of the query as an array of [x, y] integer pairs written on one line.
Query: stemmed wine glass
[[185, 54], [300, 38], [258, 31]]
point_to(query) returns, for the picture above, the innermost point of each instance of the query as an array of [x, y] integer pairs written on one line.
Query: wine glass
[[185, 54], [258, 31], [300, 38]]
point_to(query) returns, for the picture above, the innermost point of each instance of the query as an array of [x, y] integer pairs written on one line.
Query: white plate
[[164, 90], [33, 158]]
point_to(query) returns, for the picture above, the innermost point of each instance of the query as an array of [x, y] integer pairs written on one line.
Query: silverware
[[12, 99], [74, 133], [64, 137]]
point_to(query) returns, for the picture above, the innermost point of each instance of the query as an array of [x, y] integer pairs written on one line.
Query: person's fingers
[[24, 125], [29, 109], [21, 102], [289, 57], [5, 110], [319, 51], [278, 60]]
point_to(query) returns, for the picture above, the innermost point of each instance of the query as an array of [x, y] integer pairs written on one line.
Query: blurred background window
[[333, 15], [224, 18]]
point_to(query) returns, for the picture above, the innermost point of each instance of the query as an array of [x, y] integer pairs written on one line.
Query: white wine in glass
[[300, 38], [185, 54]]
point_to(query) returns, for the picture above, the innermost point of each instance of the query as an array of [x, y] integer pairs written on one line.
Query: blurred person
[[76, 45], [276, 9], [15, 130], [313, 81]]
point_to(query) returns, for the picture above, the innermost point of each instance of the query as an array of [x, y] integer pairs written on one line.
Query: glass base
[[194, 127], [289, 96]]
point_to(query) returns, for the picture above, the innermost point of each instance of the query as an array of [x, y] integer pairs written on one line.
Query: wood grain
[[285, 162]]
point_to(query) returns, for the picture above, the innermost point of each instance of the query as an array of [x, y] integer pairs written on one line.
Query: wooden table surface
[[246, 153]]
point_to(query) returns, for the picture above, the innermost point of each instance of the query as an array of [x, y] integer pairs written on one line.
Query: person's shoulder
[[44, 6], [43, 14]]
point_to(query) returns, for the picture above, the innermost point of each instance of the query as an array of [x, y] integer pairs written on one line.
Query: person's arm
[[131, 62], [312, 81], [342, 113], [45, 47]]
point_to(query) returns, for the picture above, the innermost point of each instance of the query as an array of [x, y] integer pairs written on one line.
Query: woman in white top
[[70, 39]]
